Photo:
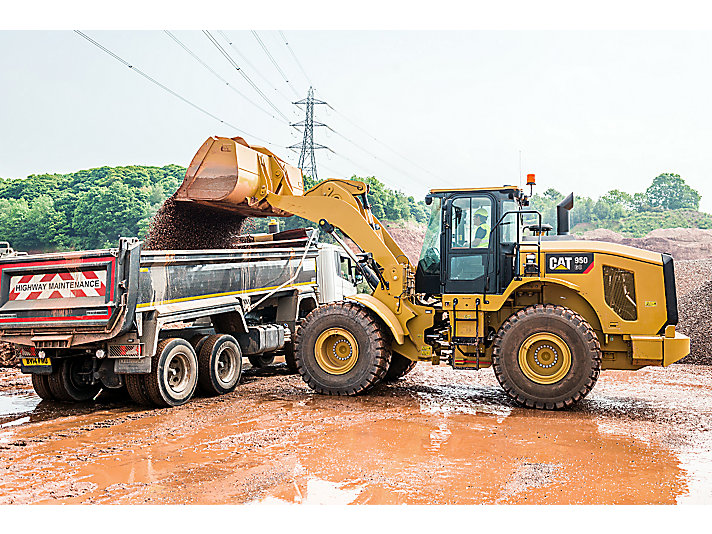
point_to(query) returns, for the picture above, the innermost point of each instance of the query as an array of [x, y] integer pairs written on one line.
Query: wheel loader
[[546, 312]]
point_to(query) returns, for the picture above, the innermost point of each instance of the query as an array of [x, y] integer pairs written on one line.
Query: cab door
[[469, 244]]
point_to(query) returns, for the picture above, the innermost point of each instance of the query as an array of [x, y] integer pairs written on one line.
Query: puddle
[[12, 406]]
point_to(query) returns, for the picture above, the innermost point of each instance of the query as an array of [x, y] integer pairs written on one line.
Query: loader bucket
[[228, 173]]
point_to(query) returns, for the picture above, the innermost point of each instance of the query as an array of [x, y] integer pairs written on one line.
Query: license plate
[[36, 362]]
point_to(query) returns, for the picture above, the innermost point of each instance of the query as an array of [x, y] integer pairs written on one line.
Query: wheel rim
[[336, 351], [226, 364], [178, 373], [544, 358]]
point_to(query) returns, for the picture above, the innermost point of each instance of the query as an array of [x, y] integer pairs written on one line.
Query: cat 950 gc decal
[[573, 263]]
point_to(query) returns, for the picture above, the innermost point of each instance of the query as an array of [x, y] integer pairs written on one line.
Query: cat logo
[[569, 263]]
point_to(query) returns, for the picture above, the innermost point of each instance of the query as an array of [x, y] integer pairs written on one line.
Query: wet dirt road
[[437, 437]]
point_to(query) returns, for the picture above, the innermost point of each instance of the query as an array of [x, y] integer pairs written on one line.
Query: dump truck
[[162, 323], [546, 312]]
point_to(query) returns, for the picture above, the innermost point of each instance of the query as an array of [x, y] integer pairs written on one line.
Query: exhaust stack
[[562, 215]]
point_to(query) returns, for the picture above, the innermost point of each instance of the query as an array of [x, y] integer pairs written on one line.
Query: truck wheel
[[219, 364], [136, 386], [400, 366], [546, 357], [289, 357], [70, 382], [41, 386], [261, 360], [174, 373], [197, 342], [342, 349]]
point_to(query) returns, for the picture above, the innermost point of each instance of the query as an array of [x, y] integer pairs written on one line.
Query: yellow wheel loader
[[548, 313]]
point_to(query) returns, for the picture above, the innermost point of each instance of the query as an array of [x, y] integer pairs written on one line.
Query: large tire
[[197, 341], [546, 357], [41, 385], [342, 349], [261, 360], [174, 373], [67, 384], [219, 365], [136, 386], [400, 366]]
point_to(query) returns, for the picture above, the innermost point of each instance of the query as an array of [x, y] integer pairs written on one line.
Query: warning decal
[[58, 285], [569, 263]]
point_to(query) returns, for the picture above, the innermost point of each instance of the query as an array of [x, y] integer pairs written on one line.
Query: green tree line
[[668, 202], [92, 208]]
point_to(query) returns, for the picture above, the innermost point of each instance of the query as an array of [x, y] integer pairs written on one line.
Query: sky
[[586, 111]]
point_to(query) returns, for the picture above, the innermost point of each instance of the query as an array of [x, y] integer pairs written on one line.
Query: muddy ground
[[436, 437]]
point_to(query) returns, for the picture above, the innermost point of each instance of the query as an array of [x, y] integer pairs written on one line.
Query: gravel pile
[[9, 356], [693, 279], [190, 226]]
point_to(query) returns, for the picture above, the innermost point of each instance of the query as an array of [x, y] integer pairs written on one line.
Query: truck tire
[[136, 386], [400, 366], [41, 387], [261, 360], [546, 357], [66, 382], [219, 364], [174, 373], [342, 349], [197, 341], [289, 357]]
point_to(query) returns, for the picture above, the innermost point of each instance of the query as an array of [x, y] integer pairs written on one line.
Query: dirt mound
[[693, 279], [409, 237], [188, 226], [681, 243], [9, 355]]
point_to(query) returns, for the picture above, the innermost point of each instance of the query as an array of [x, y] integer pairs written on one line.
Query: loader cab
[[464, 249]]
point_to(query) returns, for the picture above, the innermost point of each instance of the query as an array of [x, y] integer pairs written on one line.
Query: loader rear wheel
[[174, 373], [136, 386], [546, 357], [40, 384], [400, 366], [71, 382], [261, 360], [219, 365], [342, 349]]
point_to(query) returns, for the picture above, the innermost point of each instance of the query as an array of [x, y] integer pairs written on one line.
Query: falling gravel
[[190, 226]]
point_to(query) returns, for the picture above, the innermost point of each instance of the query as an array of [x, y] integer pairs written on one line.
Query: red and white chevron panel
[[58, 285]]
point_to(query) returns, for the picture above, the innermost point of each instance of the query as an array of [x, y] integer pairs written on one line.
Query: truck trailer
[[92, 320]]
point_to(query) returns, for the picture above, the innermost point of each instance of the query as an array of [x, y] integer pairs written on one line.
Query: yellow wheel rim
[[336, 351], [544, 358]]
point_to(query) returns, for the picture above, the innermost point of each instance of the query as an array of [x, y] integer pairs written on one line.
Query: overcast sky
[[589, 110]]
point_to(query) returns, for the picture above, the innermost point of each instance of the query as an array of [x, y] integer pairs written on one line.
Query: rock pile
[[189, 226], [9, 356], [694, 304]]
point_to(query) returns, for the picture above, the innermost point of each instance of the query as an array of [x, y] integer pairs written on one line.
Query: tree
[[670, 192]]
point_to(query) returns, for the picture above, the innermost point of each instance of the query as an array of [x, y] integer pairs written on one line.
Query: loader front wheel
[[546, 357], [174, 373], [342, 349]]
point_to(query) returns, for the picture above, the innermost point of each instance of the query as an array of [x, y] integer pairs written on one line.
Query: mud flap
[[132, 366], [36, 366]]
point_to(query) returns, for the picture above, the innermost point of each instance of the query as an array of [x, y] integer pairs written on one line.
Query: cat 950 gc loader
[[548, 313]]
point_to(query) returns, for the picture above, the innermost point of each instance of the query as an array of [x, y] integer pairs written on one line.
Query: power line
[[211, 70], [274, 62], [409, 160], [295, 57], [159, 84], [254, 69], [238, 69]]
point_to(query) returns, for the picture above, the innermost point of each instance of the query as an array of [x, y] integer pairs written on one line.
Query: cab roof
[[465, 189]]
